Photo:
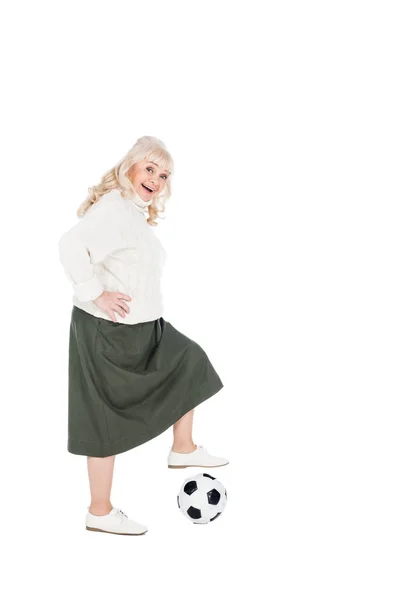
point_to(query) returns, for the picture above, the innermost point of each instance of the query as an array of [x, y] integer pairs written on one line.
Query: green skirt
[[129, 383]]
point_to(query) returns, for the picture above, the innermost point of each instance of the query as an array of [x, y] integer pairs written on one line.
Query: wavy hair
[[145, 148]]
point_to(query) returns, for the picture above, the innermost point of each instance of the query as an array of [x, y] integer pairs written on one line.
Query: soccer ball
[[202, 498]]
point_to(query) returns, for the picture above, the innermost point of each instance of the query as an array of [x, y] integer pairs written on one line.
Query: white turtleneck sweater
[[113, 248]]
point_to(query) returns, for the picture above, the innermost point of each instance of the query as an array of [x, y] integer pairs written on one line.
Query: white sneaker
[[198, 458], [115, 522]]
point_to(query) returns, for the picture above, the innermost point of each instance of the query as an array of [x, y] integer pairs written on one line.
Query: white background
[[282, 236]]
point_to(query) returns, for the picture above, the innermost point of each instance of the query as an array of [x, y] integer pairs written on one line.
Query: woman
[[132, 375]]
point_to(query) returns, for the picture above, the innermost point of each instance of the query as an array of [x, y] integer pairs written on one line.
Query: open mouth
[[147, 189]]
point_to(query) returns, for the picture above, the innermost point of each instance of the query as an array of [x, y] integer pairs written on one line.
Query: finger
[[112, 316], [119, 311], [123, 305], [124, 296]]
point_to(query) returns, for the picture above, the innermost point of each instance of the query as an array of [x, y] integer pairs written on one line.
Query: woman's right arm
[[97, 234]]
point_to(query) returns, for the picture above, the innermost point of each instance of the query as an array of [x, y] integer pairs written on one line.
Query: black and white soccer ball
[[202, 498]]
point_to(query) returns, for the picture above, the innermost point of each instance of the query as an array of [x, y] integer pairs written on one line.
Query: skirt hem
[[102, 450]]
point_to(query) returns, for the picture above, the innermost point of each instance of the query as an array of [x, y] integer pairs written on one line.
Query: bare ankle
[[183, 448], [99, 510]]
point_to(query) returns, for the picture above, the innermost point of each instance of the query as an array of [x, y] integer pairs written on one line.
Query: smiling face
[[147, 179]]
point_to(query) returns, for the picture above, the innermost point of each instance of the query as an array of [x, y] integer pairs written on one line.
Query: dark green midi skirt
[[129, 383]]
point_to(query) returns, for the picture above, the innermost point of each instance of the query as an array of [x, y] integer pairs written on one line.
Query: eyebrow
[[153, 163]]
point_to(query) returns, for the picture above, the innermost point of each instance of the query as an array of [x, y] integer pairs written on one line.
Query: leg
[[100, 472], [196, 456], [183, 441]]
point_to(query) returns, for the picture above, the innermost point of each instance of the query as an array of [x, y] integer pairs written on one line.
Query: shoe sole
[[115, 532], [197, 466]]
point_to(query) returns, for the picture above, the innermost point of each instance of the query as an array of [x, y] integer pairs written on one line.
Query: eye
[[151, 168]]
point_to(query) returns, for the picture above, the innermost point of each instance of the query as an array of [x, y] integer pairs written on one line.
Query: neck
[[140, 204]]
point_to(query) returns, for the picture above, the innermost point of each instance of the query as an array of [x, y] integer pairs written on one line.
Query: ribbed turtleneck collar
[[140, 204]]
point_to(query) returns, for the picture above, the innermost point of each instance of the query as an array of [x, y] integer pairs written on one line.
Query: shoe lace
[[121, 514]]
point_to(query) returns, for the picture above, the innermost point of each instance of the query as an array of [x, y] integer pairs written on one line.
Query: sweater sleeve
[[97, 234]]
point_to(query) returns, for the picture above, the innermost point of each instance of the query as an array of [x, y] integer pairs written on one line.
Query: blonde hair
[[145, 148]]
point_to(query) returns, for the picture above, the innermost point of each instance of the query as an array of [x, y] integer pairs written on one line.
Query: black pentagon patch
[[178, 501], [213, 519], [226, 495], [190, 487], [207, 475], [194, 513], [213, 496]]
